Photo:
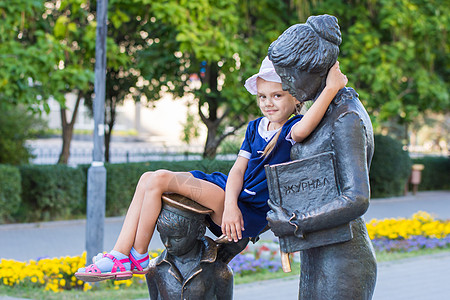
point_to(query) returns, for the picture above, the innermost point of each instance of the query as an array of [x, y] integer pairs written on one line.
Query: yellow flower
[[421, 223], [87, 287]]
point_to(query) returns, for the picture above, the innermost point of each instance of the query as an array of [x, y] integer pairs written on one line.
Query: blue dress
[[252, 200]]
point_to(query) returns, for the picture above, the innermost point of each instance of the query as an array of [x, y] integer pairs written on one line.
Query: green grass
[[140, 291], [137, 292], [267, 275], [383, 256]]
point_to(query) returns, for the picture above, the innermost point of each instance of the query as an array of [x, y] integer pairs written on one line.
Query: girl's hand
[[232, 223], [335, 79]]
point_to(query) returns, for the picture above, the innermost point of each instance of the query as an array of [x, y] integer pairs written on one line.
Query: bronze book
[[306, 185]]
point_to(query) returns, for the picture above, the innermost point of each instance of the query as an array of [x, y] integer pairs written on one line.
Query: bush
[[123, 178], [436, 174], [16, 126], [51, 192], [121, 181], [390, 169], [10, 189]]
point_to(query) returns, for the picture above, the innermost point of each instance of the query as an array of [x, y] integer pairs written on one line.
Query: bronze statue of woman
[[302, 56]]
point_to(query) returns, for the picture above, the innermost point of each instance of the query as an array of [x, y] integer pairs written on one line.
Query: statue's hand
[[281, 223]]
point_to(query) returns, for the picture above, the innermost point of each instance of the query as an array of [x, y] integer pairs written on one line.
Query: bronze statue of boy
[[189, 267]]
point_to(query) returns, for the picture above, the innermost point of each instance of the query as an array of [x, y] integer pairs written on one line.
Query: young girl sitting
[[239, 200]]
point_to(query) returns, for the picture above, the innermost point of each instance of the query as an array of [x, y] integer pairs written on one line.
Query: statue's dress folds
[[345, 270]]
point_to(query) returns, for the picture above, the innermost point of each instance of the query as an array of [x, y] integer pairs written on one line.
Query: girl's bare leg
[[145, 207], [128, 232]]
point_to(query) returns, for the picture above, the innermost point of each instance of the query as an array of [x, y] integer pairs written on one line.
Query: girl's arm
[[232, 221], [335, 81]]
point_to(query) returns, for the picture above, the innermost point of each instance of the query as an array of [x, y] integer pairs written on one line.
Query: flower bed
[[54, 274], [421, 224], [413, 243], [421, 231], [257, 257]]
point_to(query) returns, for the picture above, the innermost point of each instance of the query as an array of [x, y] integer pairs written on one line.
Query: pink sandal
[[92, 273], [136, 267]]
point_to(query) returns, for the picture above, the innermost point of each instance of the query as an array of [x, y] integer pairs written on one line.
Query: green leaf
[[60, 29]]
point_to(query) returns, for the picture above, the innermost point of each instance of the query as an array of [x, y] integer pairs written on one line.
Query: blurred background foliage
[[394, 52]]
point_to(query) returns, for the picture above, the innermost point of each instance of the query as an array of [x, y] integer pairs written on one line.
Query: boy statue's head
[[181, 224], [180, 228]]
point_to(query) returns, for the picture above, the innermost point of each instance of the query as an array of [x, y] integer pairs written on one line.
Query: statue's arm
[[224, 282], [151, 283], [350, 145]]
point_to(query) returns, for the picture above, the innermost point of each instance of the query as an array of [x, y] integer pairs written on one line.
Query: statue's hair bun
[[326, 27]]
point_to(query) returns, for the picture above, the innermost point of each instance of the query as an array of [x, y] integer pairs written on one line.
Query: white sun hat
[[266, 72]]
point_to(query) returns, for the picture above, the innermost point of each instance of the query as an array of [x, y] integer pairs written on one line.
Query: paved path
[[54, 239], [420, 278], [436, 202], [426, 277]]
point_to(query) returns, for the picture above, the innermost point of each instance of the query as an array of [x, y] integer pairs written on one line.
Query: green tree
[[396, 74], [395, 53], [72, 24], [28, 55], [45, 54], [128, 31], [222, 42]]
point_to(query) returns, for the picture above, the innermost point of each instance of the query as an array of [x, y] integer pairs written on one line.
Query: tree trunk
[[212, 143], [212, 122], [67, 130]]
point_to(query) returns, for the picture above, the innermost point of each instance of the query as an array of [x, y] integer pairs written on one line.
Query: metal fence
[[83, 155]]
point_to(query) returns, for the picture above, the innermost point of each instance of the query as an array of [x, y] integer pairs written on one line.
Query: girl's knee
[[145, 178], [158, 180]]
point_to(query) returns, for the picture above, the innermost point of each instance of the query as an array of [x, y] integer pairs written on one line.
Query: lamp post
[[96, 183]]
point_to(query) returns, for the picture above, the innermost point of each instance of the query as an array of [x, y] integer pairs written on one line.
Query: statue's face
[[176, 242], [300, 84]]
